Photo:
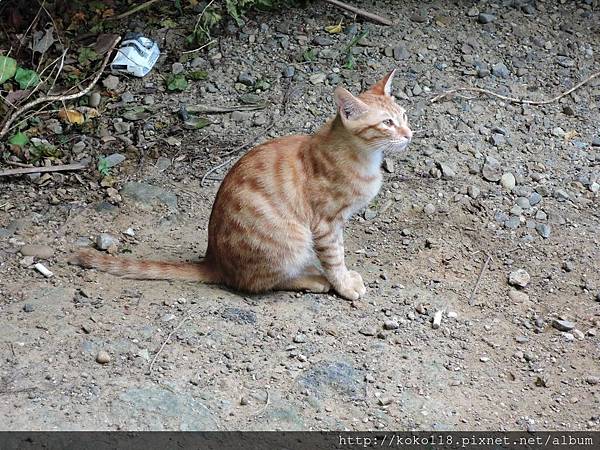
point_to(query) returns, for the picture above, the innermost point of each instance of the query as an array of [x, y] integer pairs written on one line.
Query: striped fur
[[278, 218]]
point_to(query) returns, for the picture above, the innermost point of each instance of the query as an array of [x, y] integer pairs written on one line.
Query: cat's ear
[[349, 106], [384, 86]]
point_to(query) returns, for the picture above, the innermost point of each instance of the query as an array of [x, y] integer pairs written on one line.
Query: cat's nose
[[405, 132]]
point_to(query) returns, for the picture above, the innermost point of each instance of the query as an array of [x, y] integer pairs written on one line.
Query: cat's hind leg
[[310, 281]]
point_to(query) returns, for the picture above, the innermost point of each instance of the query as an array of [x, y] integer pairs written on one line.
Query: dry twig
[[134, 10], [59, 97], [472, 297], [361, 12], [199, 48], [173, 331], [514, 99], [215, 109], [60, 168]]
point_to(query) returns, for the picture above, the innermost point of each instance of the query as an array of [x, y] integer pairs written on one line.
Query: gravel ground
[[485, 181]]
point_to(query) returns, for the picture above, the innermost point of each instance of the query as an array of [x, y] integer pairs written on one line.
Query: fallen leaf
[[26, 78], [14, 96], [20, 139], [104, 42], [43, 40], [71, 116], [334, 28], [8, 67]]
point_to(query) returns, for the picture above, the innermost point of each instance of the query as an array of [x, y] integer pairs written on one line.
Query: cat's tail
[[146, 270]]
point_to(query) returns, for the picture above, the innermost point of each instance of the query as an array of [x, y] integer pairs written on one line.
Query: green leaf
[[86, 55], [177, 82], [202, 122], [8, 67], [20, 139], [168, 23], [103, 167], [26, 78], [198, 75]]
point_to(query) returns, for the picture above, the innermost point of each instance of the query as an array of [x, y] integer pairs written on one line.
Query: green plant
[[176, 82], [309, 55], [349, 59], [19, 139], [103, 167], [235, 9]]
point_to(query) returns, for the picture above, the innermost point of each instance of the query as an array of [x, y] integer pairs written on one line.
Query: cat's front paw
[[352, 286]]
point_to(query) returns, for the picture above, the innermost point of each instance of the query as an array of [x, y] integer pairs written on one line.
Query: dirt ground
[[183, 356]]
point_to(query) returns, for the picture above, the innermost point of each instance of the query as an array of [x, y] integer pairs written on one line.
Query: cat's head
[[373, 118]]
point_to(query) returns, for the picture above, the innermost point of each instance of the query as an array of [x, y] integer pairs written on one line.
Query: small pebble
[[563, 325], [300, 338], [28, 307], [390, 325], [437, 320], [429, 209], [103, 357], [519, 277]]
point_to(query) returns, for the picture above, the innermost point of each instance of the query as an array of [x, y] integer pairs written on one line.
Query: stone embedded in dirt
[[390, 325], [103, 357], [317, 78], [429, 209], [127, 97], [523, 202], [105, 240], [114, 159], [121, 127], [563, 325], [369, 214], [39, 251], [519, 277], [593, 380], [484, 18], [368, 331], [473, 191], [388, 165], [500, 70], [94, 100], [110, 82], [596, 141], [177, 68], [513, 222], [323, 41], [288, 71], [400, 53], [437, 319], [452, 314], [473, 12], [300, 338], [578, 334], [491, 169], [508, 181], [518, 296], [447, 171], [543, 230], [484, 359], [246, 77], [561, 195], [244, 401], [497, 139], [147, 194], [534, 199], [28, 307], [521, 339]]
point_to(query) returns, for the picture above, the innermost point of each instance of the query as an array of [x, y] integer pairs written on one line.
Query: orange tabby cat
[[278, 218]]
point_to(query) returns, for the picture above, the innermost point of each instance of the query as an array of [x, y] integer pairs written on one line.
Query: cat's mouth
[[399, 145]]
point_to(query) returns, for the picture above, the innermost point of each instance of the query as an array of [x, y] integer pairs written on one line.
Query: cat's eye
[[388, 122]]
